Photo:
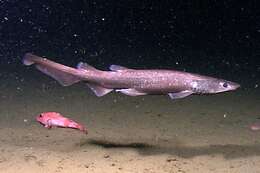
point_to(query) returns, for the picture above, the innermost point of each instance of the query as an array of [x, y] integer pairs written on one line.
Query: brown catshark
[[131, 82]]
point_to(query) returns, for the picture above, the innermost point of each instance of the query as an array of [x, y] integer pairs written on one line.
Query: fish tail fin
[[63, 74], [83, 129], [80, 127], [28, 59]]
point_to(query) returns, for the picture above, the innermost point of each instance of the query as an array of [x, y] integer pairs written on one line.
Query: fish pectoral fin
[[131, 92], [99, 90], [181, 94], [48, 124], [118, 68]]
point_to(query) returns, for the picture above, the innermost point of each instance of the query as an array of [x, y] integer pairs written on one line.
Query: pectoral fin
[[48, 124], [179, 95], [99, 90], [131, 92]]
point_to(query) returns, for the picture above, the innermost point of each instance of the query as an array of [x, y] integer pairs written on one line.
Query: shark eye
[[225, 85]]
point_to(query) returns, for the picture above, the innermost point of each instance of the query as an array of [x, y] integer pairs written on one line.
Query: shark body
[[132, 82]]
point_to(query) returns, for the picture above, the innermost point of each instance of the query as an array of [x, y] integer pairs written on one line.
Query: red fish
[[55, 119], [255, 126]]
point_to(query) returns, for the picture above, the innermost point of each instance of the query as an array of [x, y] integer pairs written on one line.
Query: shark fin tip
[[27, 59]]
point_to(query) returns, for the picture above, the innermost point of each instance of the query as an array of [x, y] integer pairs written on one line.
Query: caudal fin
[[64, 78], [63, 74], [84, 130], [75, 125], [28, 59]]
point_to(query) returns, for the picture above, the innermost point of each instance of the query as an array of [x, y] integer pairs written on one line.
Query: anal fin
[[181, 94], [99, 90], [131, 92]]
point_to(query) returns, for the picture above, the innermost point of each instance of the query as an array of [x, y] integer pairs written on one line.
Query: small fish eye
[[40, 115], [225, 85]]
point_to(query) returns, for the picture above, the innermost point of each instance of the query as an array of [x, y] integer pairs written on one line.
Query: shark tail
[[65, 75]]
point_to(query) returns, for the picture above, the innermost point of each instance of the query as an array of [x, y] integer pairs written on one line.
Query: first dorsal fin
[[117, 68], [85, 66]]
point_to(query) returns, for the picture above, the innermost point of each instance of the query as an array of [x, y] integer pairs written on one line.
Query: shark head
[[211, 86]]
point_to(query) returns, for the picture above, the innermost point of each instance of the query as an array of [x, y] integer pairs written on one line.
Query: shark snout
[[234, 86]]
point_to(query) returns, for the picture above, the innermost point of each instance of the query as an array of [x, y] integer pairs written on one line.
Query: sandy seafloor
[[149, 134]]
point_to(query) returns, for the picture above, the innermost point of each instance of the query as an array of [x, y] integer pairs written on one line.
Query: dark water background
[[218, 38], [135, 134]]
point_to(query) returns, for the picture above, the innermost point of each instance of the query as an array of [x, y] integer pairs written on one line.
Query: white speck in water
[[25, 120], [225, 115]]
